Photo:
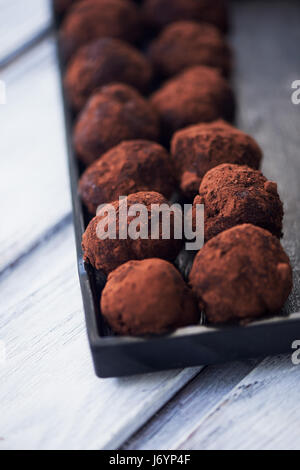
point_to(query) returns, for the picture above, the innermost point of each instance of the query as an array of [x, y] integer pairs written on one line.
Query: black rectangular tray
[[196, 345]]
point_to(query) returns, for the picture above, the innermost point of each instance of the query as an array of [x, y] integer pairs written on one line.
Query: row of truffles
[[124, 127], [232, 195], [87, 20], [117, 112], [107, 60], [229, 282], [141, 165]]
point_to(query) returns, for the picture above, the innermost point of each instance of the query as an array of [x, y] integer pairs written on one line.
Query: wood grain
[[261, 413], [34, 185], [189, 406]]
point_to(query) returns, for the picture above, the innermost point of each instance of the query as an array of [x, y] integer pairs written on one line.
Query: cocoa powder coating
[[185, 44], [88, 20], [107, 254], [102, 62], [158, 13], [241, 274], [115, 113], [199, 94], [130, 167], [234, 195], [197, 149], [147, 298]]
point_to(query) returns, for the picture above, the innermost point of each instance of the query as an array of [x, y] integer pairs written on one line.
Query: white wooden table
[[49, 395]]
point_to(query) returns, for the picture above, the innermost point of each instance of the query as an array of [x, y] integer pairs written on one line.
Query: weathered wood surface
[[49, 395], [34, 185], [189, 407], [260, 413]]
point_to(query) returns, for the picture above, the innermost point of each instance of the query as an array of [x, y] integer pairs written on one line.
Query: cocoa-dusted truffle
[[92, 19], [102, 62], [131, 167], [147, 297], [187, 43], [199, 94], [158, 13], [114, 113], [197, 149], [107, 254], [234, 195], [241, 274]]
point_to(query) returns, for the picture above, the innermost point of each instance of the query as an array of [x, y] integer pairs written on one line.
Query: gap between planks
[[36, 163], [21, 22]]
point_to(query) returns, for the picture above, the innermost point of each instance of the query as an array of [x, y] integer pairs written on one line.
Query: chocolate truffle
[[107, 254], [114, 113], [92, 19], [61, 6], [186, 44], [241, 274], [131, 167], [147, 298], [197, 149], [158, 13], [234, 195], [199, 94], [102, 62]]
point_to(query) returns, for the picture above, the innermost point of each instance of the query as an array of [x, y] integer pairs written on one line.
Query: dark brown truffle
[[234, 195], [147, 298], [107, 254], [241, 274], [61, 6], [199, 94], [102, 62], [198, 149], [114, 113], [131, 167], [186, 44], [158, 13], [92, 19]]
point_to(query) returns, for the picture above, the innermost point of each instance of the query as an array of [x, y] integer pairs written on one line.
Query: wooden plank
[[189, 406], [50, 397], [21, 22], [34, 185], [261, 413]]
